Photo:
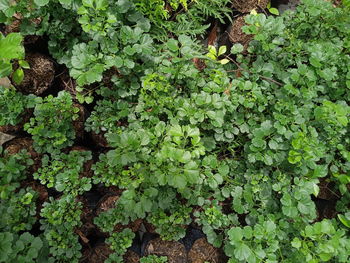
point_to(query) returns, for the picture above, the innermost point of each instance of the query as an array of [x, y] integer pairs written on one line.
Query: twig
[[260, 76]]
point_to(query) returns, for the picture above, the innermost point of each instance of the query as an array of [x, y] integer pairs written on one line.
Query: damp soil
[[39, 77]]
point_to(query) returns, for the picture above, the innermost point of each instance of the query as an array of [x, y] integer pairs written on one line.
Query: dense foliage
[[240, 147]]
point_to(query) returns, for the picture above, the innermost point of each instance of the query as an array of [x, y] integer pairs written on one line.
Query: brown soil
[[134, 226], [174, 250], [131, 257], [327, 190], [78, 124], [245, 6], [88, 228], [17, 144], [99, 254], [65, 82], [14, 129], [39, 77], [107, 202], [236, 34], [150, 228], [202, 251], [99, 140]]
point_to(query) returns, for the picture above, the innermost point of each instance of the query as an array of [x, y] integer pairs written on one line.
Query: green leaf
[[172, 44], [274, 11], [296, 243], [5, 246], [237, 48], [41, 2], [243, 252], [65, 2], [222, 50], [176, 131], [11, 47], [224, 61], [345, 220], [235, 234], [18, 76], [212, 51]]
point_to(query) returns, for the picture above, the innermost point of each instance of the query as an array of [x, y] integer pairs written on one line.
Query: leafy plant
[[331, 243], [170, 224], [119, 243], [12, 113], [154, 259], [19, 212], [64, 172], [13, 169], [52, 125], [11, 48], [60, 217], [23, 248]]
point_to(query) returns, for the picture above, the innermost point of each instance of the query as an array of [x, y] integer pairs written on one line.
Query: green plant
[[332, 243], [171, 223], [253, 244], [19, 212], [60, 217], [52, 125], [119, 242], [213, 220], [64, 172], [13, 169], [12, 113], [154, 259], [11, 48], [23, 248], [215, 54]]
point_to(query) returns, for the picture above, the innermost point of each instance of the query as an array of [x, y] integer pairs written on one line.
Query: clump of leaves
[[119, 242], [52, 125], [171, 224], [64, 172], [154, 259], [11, 49], [19, 212], [13, 169], [23, 248], [12, 113], [59, 219]]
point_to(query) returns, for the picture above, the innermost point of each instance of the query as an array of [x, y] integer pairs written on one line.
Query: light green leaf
[[18, 76], [243, 252], [41, 2]]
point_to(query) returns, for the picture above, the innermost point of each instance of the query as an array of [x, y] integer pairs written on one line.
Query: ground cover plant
[[188, 135]]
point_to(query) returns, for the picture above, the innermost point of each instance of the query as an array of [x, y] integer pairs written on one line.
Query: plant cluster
[[12, 113], [11, 49], [52, 125], [239, 146]]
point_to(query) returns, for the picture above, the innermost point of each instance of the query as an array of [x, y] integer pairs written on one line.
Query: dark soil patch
[[99, 140], [39, 77], [235, 33], [131, 257], [107, 202], [245, 6], [99, 254], [202, 251], [175, 251]]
